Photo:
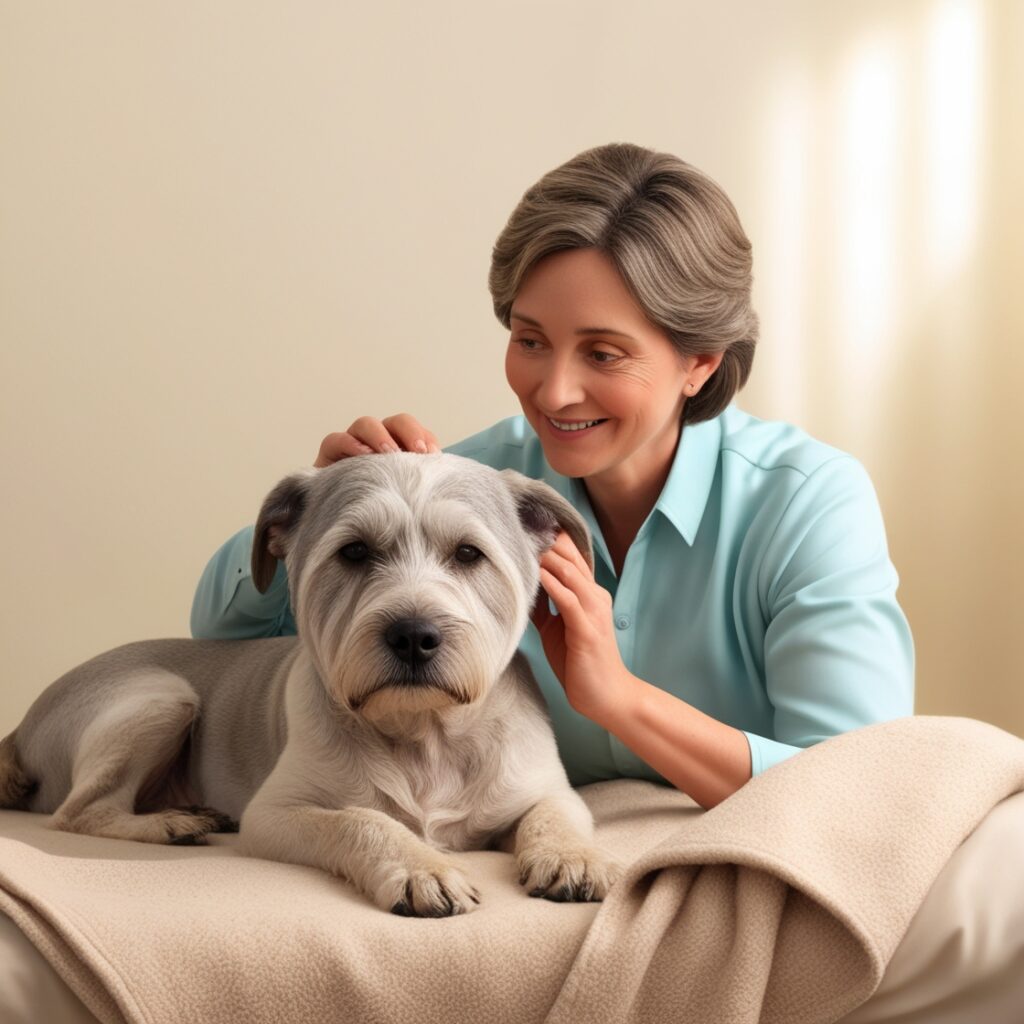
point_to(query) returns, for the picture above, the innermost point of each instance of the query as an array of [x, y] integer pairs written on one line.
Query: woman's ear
[[699, 368]]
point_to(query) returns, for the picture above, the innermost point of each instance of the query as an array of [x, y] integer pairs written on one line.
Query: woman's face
[[624, 380]]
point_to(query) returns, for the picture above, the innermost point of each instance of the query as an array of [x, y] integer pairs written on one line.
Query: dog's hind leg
[[126, 746]]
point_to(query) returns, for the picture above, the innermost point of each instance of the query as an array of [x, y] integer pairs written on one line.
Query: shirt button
[[623, 622]]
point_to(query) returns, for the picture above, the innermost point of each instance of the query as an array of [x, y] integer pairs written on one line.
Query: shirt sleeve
[[838, 652], [227, 605]]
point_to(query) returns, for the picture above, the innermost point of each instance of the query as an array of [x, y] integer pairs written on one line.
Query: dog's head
[[411, 576]]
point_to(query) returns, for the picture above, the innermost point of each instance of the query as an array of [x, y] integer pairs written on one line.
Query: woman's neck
[[621, 502]]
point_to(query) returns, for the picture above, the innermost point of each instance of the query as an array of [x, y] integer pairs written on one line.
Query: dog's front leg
[[555, 854], [379, 855]]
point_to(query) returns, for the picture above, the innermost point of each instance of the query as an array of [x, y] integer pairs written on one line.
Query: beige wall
[[227, 229]]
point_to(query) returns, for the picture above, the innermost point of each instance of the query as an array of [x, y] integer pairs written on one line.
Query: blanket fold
[[785, 902], [782, 904]]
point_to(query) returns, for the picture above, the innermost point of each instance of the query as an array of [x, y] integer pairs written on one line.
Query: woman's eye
[[528, 344], [467, 553], [357, 551], [604, 358]]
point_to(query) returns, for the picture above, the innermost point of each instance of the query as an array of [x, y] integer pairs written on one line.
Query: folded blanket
[[784, 903]]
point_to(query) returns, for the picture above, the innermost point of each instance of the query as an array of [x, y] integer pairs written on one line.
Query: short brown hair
[[674, 237]]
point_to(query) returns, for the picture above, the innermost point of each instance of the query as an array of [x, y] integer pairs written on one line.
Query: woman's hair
[[673, 236]]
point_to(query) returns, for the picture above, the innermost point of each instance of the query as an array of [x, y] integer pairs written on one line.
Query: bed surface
[[961, 958]]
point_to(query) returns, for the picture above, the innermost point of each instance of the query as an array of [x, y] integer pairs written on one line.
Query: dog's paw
[[568, 876], [437, 890], [186, 827], [221, 822]]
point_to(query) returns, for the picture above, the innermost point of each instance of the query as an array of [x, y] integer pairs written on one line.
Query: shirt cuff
[[765, 752]]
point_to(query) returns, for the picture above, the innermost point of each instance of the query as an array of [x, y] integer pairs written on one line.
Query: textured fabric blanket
[[784, 903]]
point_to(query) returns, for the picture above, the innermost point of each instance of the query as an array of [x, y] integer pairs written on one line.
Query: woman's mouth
[[571, 429]]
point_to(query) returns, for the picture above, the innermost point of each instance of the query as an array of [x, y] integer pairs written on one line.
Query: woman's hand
[[580, 640], [392, 434], [699, 755]]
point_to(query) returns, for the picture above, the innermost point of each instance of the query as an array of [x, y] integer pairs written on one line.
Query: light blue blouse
[[759, 590]]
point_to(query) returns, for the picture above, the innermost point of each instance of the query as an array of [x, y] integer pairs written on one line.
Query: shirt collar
[[685, 495]]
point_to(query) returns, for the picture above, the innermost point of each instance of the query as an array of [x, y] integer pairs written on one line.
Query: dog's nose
[[414, 641]]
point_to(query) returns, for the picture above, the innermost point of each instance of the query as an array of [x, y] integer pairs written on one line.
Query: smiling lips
[[572, 428]]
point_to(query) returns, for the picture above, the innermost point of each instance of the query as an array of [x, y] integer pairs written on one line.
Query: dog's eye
[[467, 553], [357, 551]]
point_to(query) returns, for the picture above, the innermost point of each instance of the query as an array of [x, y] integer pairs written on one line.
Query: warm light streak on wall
[[872, 127], [952, 136], [790, 182], [873, 169]]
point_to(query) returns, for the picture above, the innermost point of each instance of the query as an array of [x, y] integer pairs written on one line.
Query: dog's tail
[[15, 786]]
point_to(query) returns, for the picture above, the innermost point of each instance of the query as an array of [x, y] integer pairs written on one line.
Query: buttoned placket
[[625, 612], [625, 591]]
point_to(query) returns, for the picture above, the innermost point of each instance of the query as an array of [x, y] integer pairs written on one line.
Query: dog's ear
[[543, 512], [275, 526]]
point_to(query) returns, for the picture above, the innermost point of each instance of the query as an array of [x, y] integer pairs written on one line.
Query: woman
[[743, 603]]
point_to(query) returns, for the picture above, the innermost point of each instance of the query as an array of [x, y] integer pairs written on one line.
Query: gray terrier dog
[[400, 725]]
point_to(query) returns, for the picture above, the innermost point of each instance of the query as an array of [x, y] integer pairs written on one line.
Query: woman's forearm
[[699, 755], [702, 757]]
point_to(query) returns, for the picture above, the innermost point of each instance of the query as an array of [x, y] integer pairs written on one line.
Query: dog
[[399, 726]]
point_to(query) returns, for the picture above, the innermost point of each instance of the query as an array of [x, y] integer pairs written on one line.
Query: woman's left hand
[[580, 640]]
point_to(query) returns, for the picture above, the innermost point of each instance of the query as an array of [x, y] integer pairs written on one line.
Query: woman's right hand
[[367, 435]]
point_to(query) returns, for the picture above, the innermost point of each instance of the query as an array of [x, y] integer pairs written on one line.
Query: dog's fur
[[400, 725]]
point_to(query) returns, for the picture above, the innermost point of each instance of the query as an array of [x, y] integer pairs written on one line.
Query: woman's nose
[[559, 388]]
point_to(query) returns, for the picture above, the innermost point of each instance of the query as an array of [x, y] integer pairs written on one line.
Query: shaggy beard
[[366, 672]]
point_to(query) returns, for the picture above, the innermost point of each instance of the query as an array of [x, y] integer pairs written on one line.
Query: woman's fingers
[[373, 433], [564, 546], [410, 434], [566, 600], [368, 434], [339, 446], [576, 579], [564, 553]]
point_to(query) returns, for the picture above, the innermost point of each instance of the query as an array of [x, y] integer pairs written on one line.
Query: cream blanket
[[784, 904]]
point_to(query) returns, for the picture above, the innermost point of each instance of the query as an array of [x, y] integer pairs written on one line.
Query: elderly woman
[[743, 602]]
